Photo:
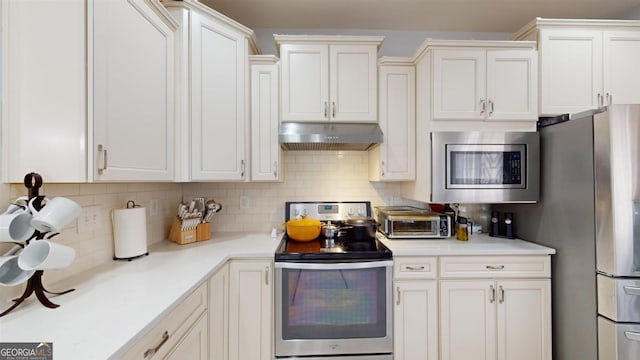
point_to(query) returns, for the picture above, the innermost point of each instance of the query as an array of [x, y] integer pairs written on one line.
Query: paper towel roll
[[129, 233]]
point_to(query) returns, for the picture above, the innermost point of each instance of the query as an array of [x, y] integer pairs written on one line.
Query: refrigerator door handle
[[634, 336], [632, 290]]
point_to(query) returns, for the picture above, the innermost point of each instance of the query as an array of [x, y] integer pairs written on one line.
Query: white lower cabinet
[[415, 308], [240, 320], [494, 318], [219, 314], [182, 334]]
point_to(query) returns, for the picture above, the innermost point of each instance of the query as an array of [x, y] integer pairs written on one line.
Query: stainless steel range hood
[[329, 136]]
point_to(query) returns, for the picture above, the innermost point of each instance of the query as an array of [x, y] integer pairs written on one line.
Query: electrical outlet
[[244, 202], [88, 220], [154, 207]]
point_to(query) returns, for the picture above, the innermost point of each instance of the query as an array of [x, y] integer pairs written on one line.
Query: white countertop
[[114, 305]]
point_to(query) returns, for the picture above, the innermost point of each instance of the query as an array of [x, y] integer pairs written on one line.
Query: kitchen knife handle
[[103, 150], [150, 352], [326, 109], [398, 292], [492, 295], [500, 294]]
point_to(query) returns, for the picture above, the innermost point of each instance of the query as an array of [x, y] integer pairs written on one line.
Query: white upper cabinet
[[585, 64], [266, 155], [133, 92], [212, 56], [484, 84], [395, 158], [44, 105], [328, 78], [87, 90]]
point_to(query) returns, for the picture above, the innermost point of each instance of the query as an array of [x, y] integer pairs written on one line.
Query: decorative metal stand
[[33, 182]]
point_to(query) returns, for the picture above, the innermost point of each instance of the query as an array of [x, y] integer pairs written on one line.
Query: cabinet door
[[621, 55], [305, 82], [512, 85], [218, 67], [415, 320], [467, 320], [44, 121], [250, 310], [219, 315], [353, 83], [265, 148], [194, 344], [459, 84], [570, 70], [133, 93], [524, 319], [397, 160]]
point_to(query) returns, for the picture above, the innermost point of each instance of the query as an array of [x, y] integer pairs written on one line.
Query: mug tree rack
[[33, 182]]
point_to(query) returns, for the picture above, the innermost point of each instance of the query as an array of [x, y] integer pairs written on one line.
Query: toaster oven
[[407, 222]]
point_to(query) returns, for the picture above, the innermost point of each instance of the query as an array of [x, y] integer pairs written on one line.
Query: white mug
[[19, 205], [10, 273], [54, 215], [15, 227], [46, 255]]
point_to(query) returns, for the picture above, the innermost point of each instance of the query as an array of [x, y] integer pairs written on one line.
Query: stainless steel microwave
[[485, 167]]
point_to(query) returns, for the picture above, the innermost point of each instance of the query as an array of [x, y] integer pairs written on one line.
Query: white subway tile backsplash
[[308, 176]]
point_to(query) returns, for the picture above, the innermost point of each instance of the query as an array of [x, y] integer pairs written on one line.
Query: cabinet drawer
[[167, 333], [535, 266], [415, 267]]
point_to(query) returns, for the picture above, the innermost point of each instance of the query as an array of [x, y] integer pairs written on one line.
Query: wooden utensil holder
[[177, 235]]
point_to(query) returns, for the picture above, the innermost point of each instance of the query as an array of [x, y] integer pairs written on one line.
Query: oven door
[[333, 308]]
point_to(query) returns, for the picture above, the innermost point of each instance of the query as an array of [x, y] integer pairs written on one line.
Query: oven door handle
[[334, 266]]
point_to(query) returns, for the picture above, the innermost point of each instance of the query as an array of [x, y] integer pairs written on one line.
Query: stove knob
[[361, 212], [350, 212], [296, 212], [305, 212]]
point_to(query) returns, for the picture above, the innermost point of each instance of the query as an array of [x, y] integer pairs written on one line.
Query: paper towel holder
[[130, 243]]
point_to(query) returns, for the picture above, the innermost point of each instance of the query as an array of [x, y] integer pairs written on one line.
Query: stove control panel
[[327, 211]]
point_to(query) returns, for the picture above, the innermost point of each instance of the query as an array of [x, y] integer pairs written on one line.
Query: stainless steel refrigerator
[[589, 212]]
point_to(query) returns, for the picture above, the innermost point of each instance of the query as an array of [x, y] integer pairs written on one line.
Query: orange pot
[[304, 229]]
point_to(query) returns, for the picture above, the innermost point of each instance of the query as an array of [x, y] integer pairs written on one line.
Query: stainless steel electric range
[[333, 296]]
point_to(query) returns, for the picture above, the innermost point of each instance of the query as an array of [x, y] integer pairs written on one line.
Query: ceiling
[[416, 15]]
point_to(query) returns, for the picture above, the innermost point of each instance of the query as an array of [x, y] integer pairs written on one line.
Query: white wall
[[396, 43]]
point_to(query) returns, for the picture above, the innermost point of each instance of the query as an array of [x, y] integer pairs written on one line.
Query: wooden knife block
[[200, 233]]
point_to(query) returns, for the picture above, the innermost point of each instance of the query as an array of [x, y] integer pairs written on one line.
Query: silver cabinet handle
[[266, 275], [483, 106], [495, 267], [333, 109], [492, 296], [500, 294], [609, 99], [151, 351], [398, 292], [103, 150], [490, 106], [599, 100], [634, 336], [382, 168], [275, 169], [415, 268], [241, 168], [326, 109]]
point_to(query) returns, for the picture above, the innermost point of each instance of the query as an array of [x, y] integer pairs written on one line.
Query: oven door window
[[486, 166], [415, 227], [333, 304]]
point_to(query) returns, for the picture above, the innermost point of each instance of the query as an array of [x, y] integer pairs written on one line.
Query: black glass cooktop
[[342, 250]]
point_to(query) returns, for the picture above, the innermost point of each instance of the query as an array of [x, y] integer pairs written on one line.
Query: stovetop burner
[[339, 249]]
